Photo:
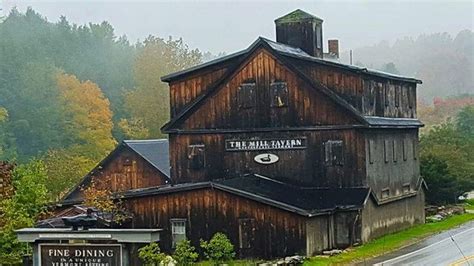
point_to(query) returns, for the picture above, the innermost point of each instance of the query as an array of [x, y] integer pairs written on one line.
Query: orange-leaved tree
[[88, 115]]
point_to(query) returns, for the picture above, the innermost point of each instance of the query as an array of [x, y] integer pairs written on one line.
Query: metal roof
[[154, 151], [393, 121], [300, 200], [293, 52]]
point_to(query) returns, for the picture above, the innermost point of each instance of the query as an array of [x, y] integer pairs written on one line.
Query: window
[[387, 94], [178, 230], [196, 156], [319, 40], [411, 97], [415, 149], [385, 193], [406, 188], [126, 161], [334, 155], [404, 148], [385, 150], [398, 96], [394, 151], [246, 233], [279, 94], [247, 95], [371, 151]]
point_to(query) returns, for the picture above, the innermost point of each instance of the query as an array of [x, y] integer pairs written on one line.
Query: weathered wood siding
[[274, 232], [396, 170], [182, 92], [123, 172], [372, 96], [378, 220], [304, 166], [306, 106]]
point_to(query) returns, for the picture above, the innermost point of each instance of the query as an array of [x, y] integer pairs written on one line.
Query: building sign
[[80, 255], [265, 144], [266, 158]]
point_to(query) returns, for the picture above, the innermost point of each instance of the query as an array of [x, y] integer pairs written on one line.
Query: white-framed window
[[178, 230]]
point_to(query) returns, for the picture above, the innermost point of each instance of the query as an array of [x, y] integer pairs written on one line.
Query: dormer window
[[247, 95], [279, 94]]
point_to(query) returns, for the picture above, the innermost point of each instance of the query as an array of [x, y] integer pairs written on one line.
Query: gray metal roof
[[154, 151], [293, 52], [393, 121]]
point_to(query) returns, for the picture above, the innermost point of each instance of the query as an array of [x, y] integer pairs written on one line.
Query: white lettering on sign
[[265, 144]]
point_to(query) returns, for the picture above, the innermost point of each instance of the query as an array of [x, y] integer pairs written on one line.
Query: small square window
[[178, 231], [247, 95], [126, 161], [385, 193], [279, 94], [196, 156], [334, 153]]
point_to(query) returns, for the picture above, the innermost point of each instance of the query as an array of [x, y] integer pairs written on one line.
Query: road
[[454, 248]]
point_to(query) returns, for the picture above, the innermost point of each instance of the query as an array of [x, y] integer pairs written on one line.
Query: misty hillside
[[442, 61]]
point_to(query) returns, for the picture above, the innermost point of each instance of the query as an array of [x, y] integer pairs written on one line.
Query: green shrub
[[219, 248], [185, 254], [151, 254]]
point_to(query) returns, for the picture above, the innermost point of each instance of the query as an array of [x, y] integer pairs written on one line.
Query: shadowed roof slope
[[154, 151]]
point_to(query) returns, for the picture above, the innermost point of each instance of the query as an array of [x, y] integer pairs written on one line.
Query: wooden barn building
[[279, 146]]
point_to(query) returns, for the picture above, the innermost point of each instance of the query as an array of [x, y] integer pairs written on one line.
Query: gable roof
[[282, 52], [289, 51], [154, 151], [303, 201]]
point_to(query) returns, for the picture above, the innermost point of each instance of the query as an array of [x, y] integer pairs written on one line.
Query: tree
[[22, 209], [134, 128], [185, 254], [446, 154], [89, 117], [149, 101], [64, 169], [97, 194], [7, 147], [151, 255], [390, 68], [219, 248]]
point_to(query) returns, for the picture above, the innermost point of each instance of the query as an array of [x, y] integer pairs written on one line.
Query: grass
[[469, 205], [392, 242]]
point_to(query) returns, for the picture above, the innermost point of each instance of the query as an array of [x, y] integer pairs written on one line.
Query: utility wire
[[460, 251]]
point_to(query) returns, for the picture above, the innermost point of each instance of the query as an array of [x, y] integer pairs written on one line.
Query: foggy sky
[[228, 26]]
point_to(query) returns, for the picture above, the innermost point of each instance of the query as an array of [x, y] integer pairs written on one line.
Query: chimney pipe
[[333, 47], [302, 30]]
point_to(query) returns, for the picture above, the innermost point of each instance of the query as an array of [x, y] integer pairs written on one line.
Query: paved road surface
[[454, 247]]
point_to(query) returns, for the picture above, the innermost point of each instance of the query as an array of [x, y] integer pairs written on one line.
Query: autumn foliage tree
[[88, 116], [148, 103]]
